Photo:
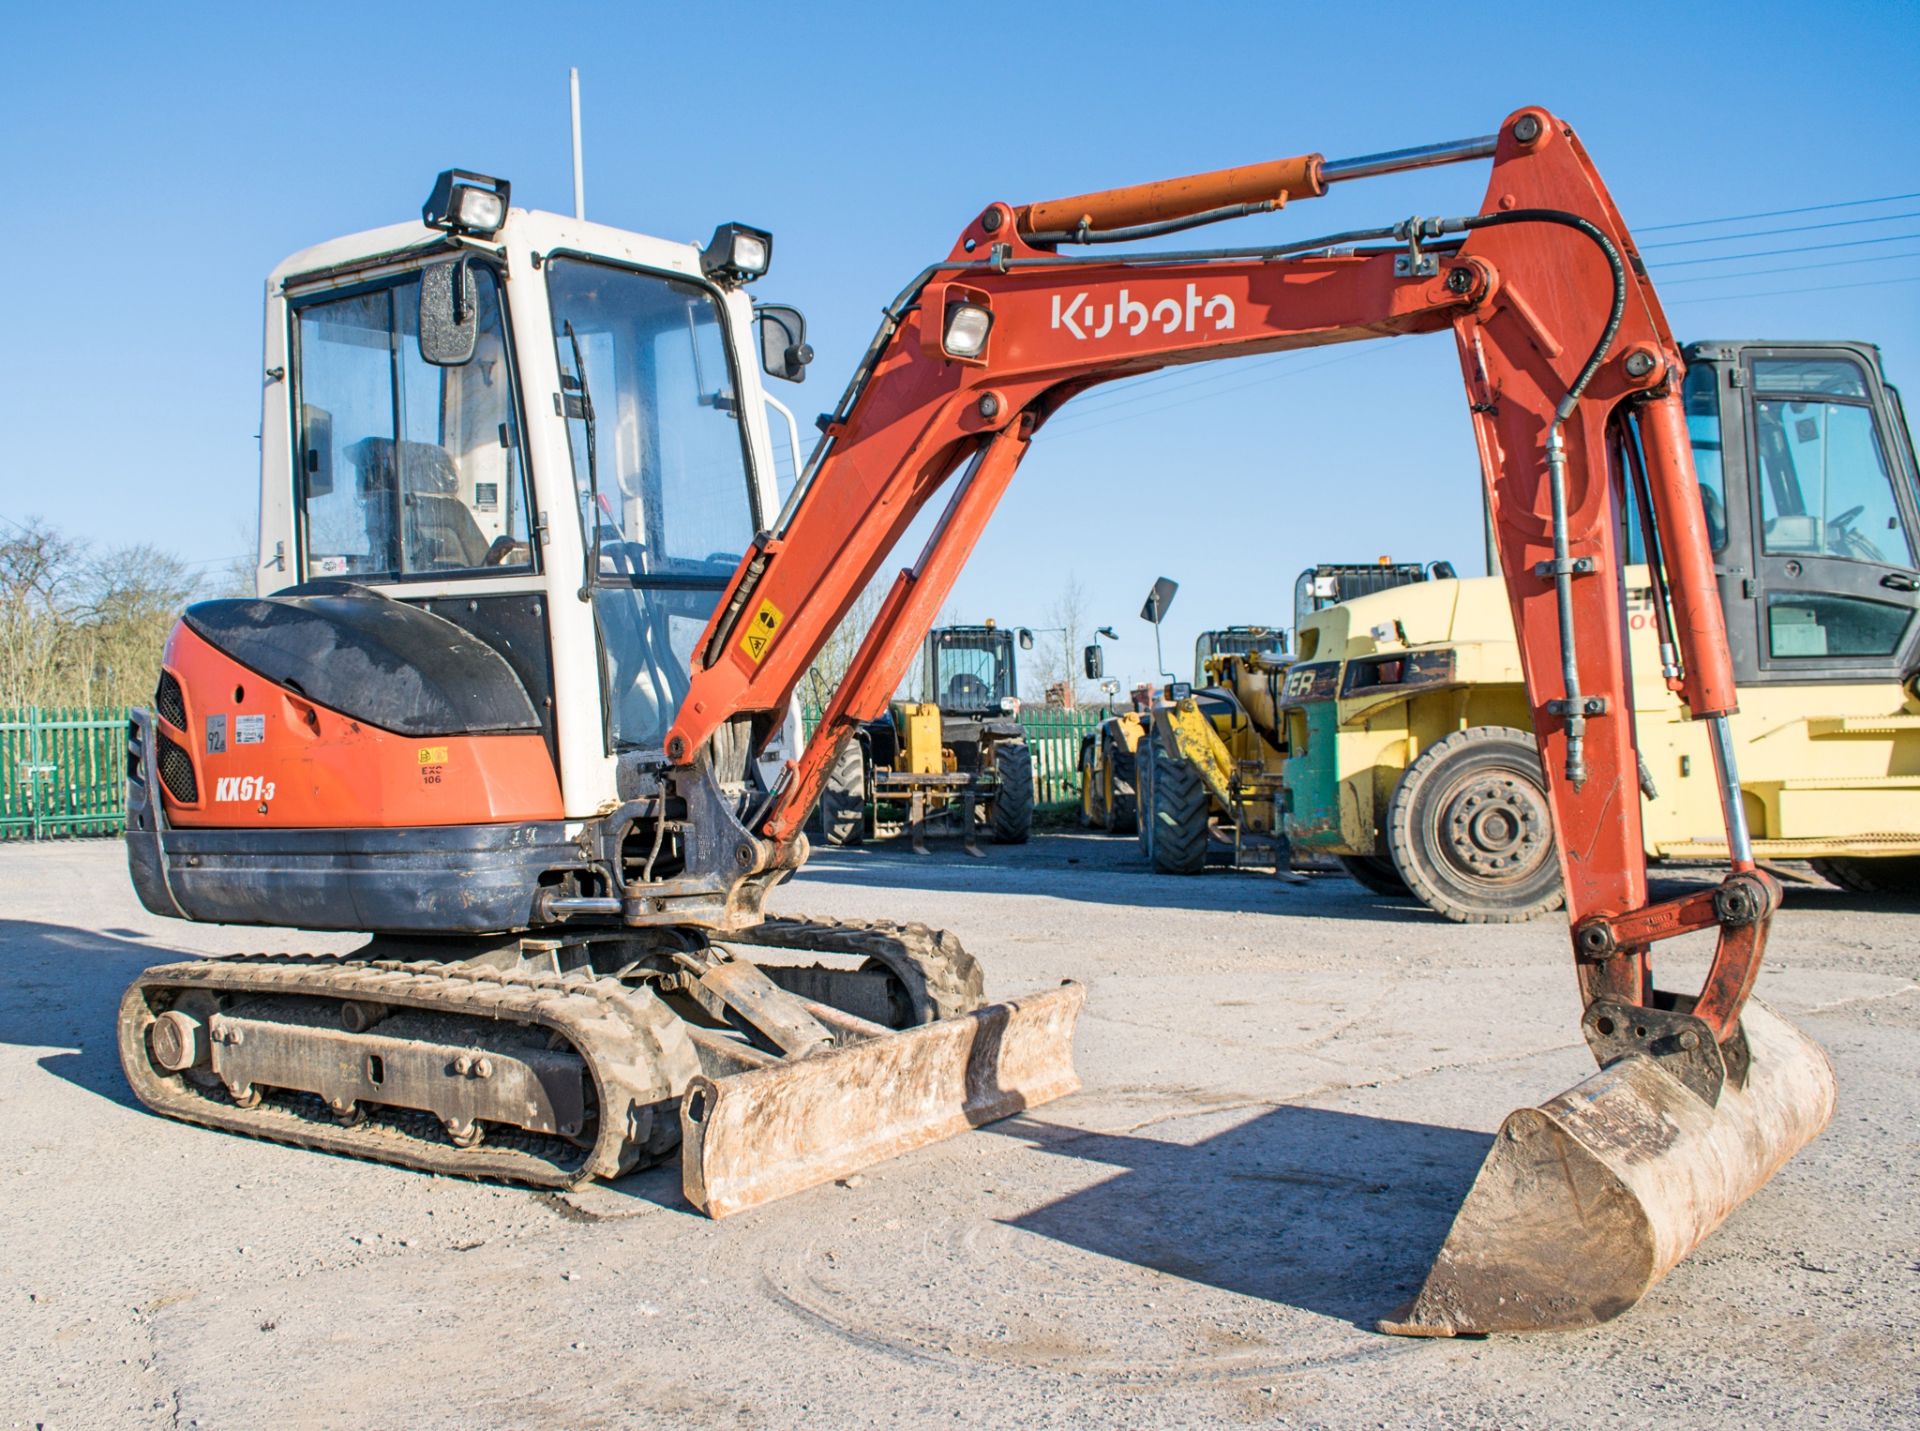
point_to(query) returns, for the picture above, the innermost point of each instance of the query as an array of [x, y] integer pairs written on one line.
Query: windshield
[[660, 473], [405, 468], [972, 670], [1235, 643]]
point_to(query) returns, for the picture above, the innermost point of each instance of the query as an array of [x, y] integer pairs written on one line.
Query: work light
[[967, 327], [460, 205], [736, 254]]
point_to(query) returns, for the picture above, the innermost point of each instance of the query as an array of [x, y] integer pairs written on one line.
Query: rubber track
[[940, 979], [624, 1036]]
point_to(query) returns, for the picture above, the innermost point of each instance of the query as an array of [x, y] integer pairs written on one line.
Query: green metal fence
[[62, 773], [1054, 737]]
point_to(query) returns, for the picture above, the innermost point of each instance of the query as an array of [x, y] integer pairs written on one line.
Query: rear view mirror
[[1094, 661], [1158, 600], [449, 314], [784, 352], [1026, 639]]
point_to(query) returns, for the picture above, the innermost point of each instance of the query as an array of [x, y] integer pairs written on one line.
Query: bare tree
[[1055, 660], [79, 628], [830, 667]]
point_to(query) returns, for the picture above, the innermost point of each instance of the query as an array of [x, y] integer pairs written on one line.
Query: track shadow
[[1334, 1213], [60, 987]]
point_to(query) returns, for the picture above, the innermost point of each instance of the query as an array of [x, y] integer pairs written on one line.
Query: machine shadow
[[1334, 1213], [1103, 878], [60, 987]]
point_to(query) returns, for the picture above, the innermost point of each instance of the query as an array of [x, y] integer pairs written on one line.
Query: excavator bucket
[[759, 1135], [1588, 1200]]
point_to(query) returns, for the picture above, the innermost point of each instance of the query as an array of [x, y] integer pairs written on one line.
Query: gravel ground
[[1288, 1089]]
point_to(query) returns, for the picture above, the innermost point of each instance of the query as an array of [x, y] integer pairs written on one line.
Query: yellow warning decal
[[433, 755], [760, 631]]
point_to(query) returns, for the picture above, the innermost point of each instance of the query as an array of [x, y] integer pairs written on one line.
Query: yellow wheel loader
[[1412, 755], [1212, 755], [959, 751]]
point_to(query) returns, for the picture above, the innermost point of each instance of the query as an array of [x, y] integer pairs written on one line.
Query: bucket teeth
[[1587, 1201]]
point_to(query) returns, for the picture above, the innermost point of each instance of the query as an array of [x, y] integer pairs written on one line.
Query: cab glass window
[[1825, 488], [660, 471], [1804, 624], [405, 469]]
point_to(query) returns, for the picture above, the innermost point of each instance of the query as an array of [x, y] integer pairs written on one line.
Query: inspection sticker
[[433, 755], [249, 730], [760, 631]]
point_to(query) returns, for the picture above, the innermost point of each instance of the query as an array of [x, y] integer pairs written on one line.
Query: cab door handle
[[1900, 581]]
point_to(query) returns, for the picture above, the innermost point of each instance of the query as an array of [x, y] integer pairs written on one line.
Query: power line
[[1776, 252], [1786, 292], [1366, 350], [1776, 213], [1790, 268], [1789, 229]]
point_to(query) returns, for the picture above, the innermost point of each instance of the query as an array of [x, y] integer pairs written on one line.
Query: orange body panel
[[290, 763]]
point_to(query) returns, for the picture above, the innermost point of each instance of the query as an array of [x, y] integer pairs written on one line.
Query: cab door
[[1835, 594]]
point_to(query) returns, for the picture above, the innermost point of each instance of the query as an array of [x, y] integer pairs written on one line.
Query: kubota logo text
[[242, 787], [1084, 319]]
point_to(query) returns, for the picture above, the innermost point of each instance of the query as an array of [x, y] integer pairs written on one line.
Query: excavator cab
[[511, 462]]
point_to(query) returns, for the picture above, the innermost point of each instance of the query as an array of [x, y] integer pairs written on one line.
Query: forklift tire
[[1090, 815], [1179, 815], [1470, 829], [1373, 873], [1143, 796], [1889, 874], [843, 801], [1124, 811], [1011, 810]]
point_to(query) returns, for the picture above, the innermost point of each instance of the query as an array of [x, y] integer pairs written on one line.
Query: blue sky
[[157, 162]]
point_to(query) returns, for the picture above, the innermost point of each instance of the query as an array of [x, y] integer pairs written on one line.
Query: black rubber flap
[[376, 660]]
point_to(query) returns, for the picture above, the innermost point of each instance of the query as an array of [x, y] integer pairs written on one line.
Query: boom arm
[[1569, 366]]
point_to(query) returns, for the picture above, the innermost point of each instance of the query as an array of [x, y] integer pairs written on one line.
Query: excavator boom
[[1572, 381]]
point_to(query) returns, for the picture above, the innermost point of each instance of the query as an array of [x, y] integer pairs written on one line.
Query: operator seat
[[441, 534], [966, 691]]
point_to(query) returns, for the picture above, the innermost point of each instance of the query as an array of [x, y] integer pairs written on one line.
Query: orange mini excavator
[[514, 698]]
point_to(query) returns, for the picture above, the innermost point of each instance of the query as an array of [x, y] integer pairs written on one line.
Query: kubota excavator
[[529, 621]]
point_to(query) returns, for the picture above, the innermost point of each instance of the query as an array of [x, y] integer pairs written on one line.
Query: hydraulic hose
[[1575, 708]]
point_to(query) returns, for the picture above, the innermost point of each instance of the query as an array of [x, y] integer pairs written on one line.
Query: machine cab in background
[[1816, 556], [971, 670]]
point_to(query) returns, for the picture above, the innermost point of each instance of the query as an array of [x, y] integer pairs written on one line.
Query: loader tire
[[1011, 811], [1091, 816], [1123, 812], [1889, 874], [1470, 830], [1373, 873], [843, 800], [1143, 796], [1179, 815]]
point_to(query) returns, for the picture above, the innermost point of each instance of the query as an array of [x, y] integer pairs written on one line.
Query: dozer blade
[[1588, 1200], [751, 1137]]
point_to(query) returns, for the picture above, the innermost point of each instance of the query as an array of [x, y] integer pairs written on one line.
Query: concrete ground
[[1288, 1090]]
